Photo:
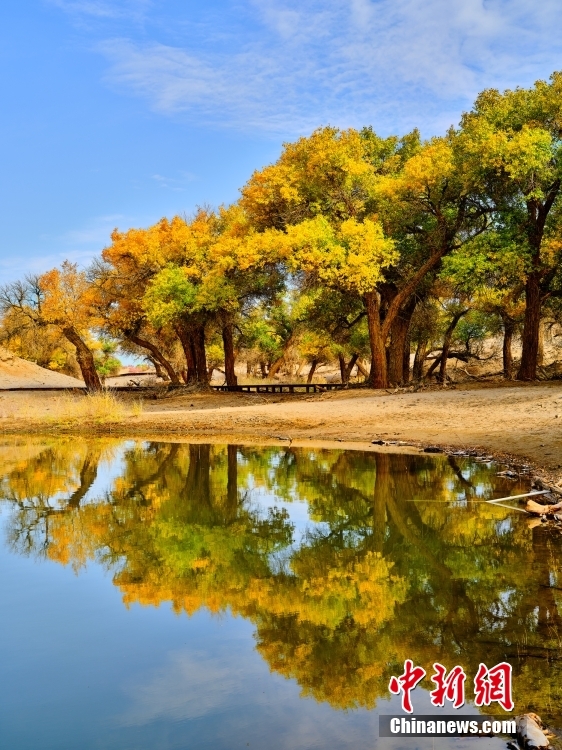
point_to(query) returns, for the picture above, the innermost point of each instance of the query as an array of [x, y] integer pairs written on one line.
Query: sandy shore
[[518, 420]]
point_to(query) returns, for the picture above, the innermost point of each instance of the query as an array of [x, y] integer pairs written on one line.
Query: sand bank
[[518, 420]]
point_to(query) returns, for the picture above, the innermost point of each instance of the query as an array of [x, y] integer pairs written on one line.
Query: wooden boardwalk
[[296, 388], [280, 388]]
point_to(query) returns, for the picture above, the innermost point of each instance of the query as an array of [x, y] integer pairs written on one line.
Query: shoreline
[[518, 424]]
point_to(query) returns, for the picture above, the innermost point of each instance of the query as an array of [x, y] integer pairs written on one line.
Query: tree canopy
[[354, 237]]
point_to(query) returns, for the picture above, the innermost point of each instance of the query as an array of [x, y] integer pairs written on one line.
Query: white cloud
[[393, 63], [103, 9], [78, 245], [178, 184], [95, 233], [187, 687]]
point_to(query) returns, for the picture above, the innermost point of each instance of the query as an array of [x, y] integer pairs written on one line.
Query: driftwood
[[530, 733], [537, 509]]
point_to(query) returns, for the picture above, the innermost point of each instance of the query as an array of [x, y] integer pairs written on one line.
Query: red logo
[[494, 685], [406, 683], [449, 686], [490, 685]]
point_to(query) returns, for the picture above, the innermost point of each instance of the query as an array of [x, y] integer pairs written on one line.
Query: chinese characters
[[492, 685]]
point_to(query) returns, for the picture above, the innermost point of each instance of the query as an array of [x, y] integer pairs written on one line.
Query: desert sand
[[19, 373]]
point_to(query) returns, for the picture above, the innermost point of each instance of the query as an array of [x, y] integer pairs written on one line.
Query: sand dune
[[19, 373]]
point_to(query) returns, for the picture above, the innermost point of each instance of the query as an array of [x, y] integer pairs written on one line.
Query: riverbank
[[517, 422]]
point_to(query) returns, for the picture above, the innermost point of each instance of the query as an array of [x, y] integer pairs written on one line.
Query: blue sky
[[118, 112]]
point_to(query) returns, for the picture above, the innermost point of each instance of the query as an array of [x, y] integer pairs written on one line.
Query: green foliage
[[105, 362], [475, 327], [169, 295]]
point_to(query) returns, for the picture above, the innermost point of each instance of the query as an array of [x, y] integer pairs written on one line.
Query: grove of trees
[[350, 248]]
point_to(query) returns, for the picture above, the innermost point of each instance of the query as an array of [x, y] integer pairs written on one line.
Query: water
[[167, 595]]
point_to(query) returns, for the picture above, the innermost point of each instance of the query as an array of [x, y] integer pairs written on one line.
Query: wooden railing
[[280, 388], [297, 388]]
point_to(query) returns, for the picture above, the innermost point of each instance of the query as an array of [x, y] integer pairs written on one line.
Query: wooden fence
[[296, 388]]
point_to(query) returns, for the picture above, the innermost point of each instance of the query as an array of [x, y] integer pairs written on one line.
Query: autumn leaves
[[348, 229]]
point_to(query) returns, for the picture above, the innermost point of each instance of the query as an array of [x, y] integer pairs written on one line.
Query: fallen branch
[[518, 497], [542, 510]]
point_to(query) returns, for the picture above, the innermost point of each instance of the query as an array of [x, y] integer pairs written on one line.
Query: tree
[[514, 139], [314, 206], [431, 206], [491, 270], [120, 280], [46, 346], [370, 216], [106, 363], [214, 278], [60, 298]]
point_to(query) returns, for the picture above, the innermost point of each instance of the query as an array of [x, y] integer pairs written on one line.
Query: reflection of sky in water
[[144, 679], [84, 671]]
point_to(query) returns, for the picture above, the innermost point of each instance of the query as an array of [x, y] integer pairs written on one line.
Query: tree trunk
[[447, 344], [419, 359], [379, 330], [157, 356], [186, 341], [406, 358], [378, 377], [232, 480], [341, 360], [362, 369], [202, 373], [508, 331], [229, 356], [398, 338], [276, 366], [529, 355], [349, 367], [85, 359], [540, 351], [313, 366], [346, 369], [441, 360], [434, 365], [160, 372]]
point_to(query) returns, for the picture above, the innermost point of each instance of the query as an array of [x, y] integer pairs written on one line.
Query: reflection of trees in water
[[403, 561], [47, 486]]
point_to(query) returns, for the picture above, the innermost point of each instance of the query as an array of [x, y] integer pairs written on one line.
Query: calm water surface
[[167, 595]]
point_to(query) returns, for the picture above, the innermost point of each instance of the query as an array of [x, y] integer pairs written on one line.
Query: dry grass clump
[[92, 408]]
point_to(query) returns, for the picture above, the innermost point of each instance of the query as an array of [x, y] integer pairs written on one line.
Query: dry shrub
[[93, 408]]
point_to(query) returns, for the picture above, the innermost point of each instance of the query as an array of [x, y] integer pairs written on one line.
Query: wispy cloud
[[178, 184], [393, 63], [77, 245], [104, 9], [93, 235]]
